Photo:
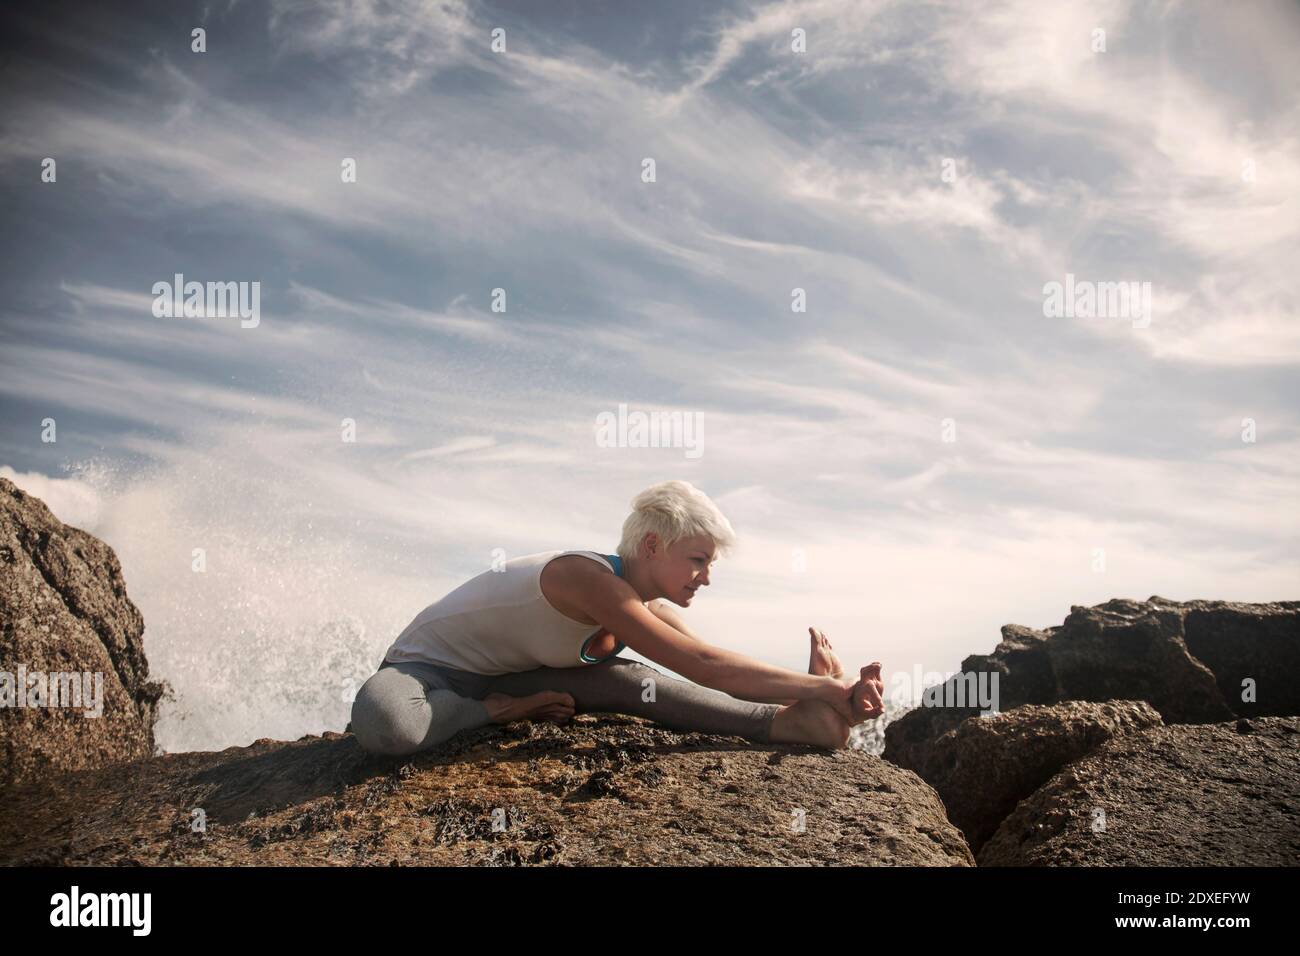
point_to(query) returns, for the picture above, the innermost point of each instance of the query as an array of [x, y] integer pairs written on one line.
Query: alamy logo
[[652, 430], [968, 689], [53, 689], [102, 909], [197, 300], [1098, 300]]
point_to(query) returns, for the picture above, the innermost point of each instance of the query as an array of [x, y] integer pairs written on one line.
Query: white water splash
[[289, 618]]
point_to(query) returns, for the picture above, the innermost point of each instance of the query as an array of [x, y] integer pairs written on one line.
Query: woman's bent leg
[[402, 710], [623, 686]]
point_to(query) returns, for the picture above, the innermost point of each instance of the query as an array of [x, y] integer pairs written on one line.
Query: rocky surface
[[986, 765], [600, 790], [1195, 662], [1187, 659], [1260, 642], [1224, 794], [64, 608], [1131, 650]]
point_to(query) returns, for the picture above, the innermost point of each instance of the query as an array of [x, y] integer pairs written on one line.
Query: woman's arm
[[613, 603], [663, 610]]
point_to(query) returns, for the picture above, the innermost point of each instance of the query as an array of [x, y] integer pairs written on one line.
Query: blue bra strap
[[615, 560]]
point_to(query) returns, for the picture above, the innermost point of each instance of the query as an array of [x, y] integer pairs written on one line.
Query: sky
[[912, 450]]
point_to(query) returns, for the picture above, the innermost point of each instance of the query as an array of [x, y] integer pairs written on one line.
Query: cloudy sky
[[920, 171]]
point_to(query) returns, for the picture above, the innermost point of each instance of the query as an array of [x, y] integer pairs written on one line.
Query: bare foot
[[810, 722], [866, 695], [821, 659], [545, 705]]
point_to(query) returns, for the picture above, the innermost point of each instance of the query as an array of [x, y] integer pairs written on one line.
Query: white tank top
[[499, 622]]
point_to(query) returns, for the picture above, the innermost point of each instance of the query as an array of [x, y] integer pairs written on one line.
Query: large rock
[[986, 765], [1125, 650], [1259, 642], [64, 609], [599, 790], [1225, 794], [1186, 659]]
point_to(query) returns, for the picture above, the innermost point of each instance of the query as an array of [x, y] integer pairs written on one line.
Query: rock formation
[[986, 765], [605, 790], [64, 609], [1134, 664], [1184, 795]]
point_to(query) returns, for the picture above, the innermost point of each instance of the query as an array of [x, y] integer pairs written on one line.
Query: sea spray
[[290, 614]]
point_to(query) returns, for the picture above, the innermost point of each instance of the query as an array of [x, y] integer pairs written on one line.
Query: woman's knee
[[385, 715]]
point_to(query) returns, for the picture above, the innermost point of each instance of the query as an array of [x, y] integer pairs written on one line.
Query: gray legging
[[408, 707]]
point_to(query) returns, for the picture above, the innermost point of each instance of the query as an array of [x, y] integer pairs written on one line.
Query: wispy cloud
[[920, 172]]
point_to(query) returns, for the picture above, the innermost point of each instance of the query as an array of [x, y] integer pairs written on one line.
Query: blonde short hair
[[674, 510]]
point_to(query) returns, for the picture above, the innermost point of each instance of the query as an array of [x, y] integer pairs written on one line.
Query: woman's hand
[[857, 700], [873, 703], [838, 696]]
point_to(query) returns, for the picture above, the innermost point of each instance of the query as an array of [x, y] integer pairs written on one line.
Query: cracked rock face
[[1223, 794], [986, 765], [1186, 662], [1189, 660], [604, 790], [64, 609]]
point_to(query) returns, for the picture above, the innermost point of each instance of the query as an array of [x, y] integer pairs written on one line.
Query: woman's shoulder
[[578, 564], [574, 572], [568, 579]]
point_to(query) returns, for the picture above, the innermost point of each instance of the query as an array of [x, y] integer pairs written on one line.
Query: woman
[[539, 638]]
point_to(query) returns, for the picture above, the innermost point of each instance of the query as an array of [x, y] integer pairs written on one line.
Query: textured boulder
[[986, 765], [1256, 641], [607, 790], [64, 610], [1122, 650], [1186, 659], [1225, 794]]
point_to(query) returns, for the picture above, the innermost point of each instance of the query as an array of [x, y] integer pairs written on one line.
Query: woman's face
[[682, 569]]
